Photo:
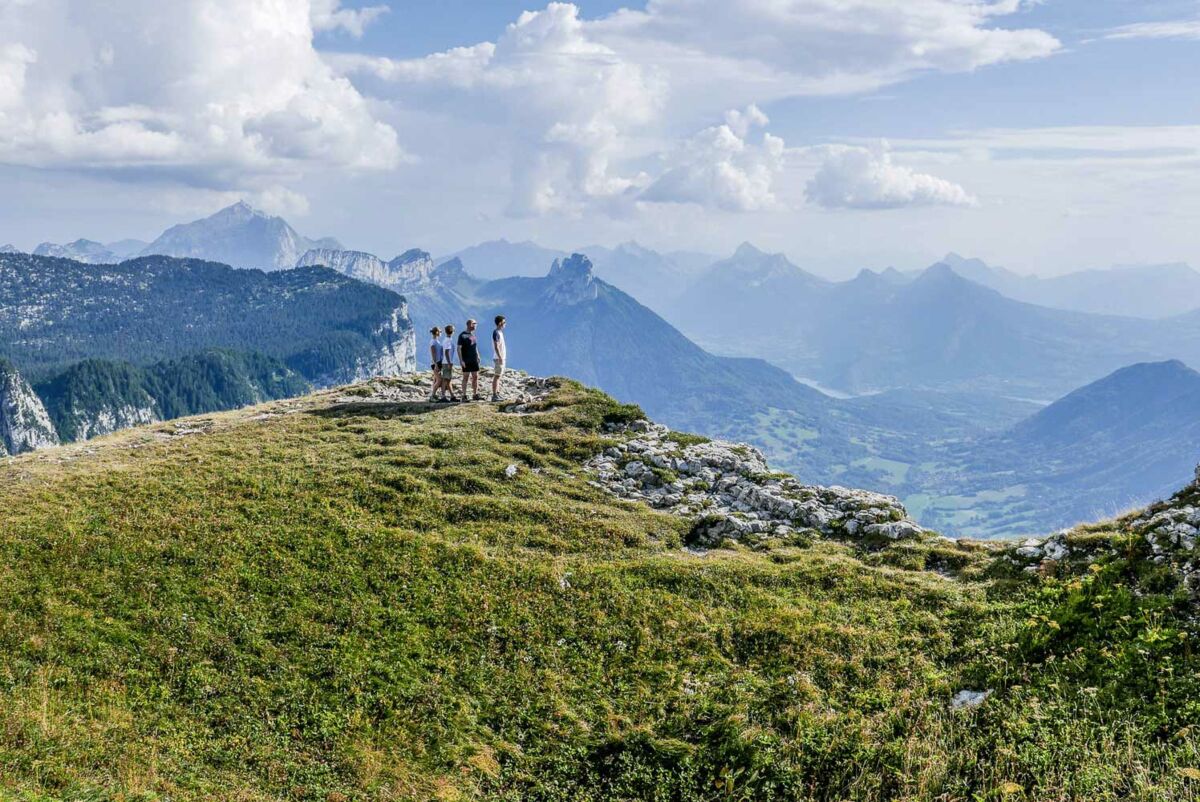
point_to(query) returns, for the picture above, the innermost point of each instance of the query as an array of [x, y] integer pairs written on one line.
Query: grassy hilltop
[[322, 599]]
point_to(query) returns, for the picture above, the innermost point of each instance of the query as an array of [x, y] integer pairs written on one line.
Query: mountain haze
[[1149, 291], [240, 236]]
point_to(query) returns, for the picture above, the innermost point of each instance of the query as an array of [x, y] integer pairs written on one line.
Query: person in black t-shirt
[[468, 357]]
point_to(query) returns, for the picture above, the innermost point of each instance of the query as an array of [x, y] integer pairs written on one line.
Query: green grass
[[352, 601]]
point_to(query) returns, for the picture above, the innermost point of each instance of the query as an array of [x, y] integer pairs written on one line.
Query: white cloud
[[720, 168], [792, 47], [563, 100], [213, 93], [864, 178], [573, 103], [1169, 29], [328, 15]]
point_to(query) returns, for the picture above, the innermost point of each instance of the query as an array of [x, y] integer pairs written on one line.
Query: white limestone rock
[[24, 423]]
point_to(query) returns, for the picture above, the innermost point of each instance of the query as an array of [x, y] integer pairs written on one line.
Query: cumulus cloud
[[580, 100], [215, 93], [853, 177], [564, 100], [328, 15], [720, 168]]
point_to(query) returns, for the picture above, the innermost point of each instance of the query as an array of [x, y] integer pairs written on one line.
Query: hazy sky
[[1044, 136]]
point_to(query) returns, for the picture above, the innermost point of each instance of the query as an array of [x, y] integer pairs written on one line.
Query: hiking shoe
[[496, 398], [477, 397]]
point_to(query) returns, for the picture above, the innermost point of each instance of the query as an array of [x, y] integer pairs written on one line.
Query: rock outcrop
[[1166, 533], [24, 423], [732, 495], [572, 281]]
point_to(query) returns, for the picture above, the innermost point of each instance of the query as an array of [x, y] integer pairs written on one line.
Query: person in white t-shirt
[[448, 352], [435, 362], [499, 354]]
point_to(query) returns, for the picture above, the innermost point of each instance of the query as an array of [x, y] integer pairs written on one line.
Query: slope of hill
[[1117, 443], [1148, 291], [240, 236], [325, 326], [347, 596]]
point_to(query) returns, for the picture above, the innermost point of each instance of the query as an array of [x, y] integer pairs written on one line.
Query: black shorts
[[470, 366]]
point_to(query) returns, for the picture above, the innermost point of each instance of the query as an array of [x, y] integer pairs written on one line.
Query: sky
[[1042, 135]]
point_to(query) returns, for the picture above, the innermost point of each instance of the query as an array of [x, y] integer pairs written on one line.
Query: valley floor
[[335, 598]]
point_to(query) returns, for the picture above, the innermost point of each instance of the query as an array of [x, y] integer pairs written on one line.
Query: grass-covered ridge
[[333, 600]]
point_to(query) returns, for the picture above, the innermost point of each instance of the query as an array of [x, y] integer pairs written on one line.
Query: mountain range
[[109, 346], [953, 369], [936, 330], [1146, 291]]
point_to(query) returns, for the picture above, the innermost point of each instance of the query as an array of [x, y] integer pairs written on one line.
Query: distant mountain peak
[[748, 250], [450, 271], [240, 236], [572, 280], [240, 210], [9, 249], [411, 255]]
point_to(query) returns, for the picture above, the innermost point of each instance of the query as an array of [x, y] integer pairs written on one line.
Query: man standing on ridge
[[499, 354], [448, 364], [468, 358]]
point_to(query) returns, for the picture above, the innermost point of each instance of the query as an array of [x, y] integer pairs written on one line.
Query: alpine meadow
[[599, 401]]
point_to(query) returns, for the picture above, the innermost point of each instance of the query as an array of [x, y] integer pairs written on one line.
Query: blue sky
[[1045, 136]]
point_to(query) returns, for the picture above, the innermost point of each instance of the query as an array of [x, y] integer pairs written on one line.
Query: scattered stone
[[967, 700], [730, 493], [511, 471]]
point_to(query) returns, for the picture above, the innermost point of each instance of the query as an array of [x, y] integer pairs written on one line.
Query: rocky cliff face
[[572, 281], [89, 423], [24, 423], [356, 264], [411, 271]]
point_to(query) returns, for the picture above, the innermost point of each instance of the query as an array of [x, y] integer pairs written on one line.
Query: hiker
[[468, 358], [435, 361], [498, 355], [448, 363]]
